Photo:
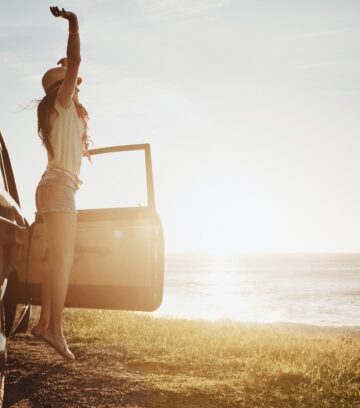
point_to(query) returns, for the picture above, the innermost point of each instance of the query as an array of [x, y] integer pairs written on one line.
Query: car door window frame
[[7, 172], [3, 173], [148, 166]]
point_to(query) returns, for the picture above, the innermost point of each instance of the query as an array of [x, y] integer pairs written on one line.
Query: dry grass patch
[[134, 360]]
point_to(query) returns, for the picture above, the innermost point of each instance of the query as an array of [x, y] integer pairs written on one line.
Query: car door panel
[[118, 261]]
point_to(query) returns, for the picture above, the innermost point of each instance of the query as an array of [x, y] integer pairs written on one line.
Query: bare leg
[[44, 319], [61, 231]]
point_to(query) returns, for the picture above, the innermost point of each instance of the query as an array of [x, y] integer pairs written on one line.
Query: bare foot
[[58, 343]]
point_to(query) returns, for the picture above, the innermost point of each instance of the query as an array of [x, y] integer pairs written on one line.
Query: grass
[[187, 363]]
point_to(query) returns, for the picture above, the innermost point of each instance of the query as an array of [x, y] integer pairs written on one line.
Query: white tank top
[[66, 140]]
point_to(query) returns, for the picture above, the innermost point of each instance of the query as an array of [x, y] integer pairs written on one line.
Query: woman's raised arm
[[67, 88]]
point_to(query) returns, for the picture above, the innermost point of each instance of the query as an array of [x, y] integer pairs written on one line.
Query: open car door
[[119, 252]]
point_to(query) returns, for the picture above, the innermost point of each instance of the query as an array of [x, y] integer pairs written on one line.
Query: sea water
[[309, 289]]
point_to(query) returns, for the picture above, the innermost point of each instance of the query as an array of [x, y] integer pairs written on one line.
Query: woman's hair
[[47, 113], [84, 116]]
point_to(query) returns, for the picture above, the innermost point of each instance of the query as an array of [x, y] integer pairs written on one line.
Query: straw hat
[[55, 75], [51, 77]]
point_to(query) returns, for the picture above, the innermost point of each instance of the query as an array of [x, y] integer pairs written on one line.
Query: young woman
[[62, 126]]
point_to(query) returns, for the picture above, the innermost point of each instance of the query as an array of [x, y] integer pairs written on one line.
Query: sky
[[251, 109]]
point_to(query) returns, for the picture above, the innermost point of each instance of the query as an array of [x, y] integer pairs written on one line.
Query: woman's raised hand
[[68, 15]]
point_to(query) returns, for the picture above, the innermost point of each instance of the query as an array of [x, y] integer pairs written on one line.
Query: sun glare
[[218, 220]]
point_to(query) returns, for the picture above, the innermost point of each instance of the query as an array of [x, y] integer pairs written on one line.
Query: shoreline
[[305, 328]]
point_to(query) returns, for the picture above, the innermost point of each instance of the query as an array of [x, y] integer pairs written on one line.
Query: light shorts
[[54, 194]]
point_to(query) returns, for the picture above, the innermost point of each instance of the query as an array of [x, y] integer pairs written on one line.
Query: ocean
[[316, 289]]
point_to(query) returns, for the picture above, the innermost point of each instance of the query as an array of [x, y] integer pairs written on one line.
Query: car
[[13, 251], [119, 251]]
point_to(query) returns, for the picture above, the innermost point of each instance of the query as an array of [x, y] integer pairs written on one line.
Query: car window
[[113, 180]]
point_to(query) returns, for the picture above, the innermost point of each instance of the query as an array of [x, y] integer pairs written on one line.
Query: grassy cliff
[[133, 360], [224, 364]]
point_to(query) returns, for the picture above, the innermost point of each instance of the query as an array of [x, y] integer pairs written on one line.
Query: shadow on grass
[[37, 377]]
